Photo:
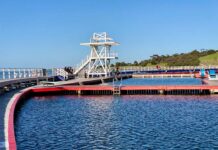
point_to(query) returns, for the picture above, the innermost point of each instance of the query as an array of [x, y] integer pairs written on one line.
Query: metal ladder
[[116, 88]]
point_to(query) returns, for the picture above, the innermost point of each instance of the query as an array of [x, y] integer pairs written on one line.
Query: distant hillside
[[193, 58], [211, 59]]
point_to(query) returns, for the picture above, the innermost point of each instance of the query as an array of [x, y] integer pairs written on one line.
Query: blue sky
[[47, 33]]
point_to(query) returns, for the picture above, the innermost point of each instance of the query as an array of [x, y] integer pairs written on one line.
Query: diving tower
[[98, 62]]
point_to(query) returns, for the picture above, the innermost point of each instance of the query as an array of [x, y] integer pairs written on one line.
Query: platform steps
[[82, 65]]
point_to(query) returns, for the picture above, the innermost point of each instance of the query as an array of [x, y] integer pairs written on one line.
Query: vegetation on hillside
[[211, 59], [193, 58]]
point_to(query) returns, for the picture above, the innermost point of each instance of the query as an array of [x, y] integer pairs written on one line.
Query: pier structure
[[98, 62], [14, 78]]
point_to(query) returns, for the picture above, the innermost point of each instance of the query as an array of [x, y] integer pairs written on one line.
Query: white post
[[37, 72], [24, 73], [40, 72], [34, 73], [52, 72], [3, 74], [9, 74], [29, 72], [15, 73], [19, 74]]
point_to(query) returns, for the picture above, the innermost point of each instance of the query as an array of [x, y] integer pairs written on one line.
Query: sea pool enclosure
[[125, 122]]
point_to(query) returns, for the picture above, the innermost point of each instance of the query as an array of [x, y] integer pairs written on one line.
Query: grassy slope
[[211, 59]]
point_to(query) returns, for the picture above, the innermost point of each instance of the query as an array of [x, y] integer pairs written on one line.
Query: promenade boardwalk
[[20, 80], [88, 81]]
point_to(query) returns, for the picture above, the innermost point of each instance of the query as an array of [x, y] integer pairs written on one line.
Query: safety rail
[[14, 73], [82, 64], [153, 68], [112, 55]]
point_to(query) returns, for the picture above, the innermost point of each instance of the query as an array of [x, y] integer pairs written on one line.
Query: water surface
[[159, 81], [125, 122]]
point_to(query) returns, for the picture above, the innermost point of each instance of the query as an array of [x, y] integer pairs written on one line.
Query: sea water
[[126, 122], [118, 122]]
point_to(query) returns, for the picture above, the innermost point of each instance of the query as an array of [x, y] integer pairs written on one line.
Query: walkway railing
[[138, 68], [15, 73]]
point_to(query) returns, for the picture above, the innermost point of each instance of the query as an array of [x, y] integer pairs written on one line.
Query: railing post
[[52, 72], [41, 72], [9, 74], [29, 72], [19, 73], [3, 73], [24, 73], [15, 76], [38, 72]]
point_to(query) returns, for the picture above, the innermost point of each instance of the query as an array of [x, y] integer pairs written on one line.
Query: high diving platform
[[98, 62]]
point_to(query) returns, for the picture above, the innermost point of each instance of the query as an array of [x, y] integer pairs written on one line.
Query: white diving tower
[[98, 62]]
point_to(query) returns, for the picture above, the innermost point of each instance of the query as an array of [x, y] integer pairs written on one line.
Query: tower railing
[[82, 64]]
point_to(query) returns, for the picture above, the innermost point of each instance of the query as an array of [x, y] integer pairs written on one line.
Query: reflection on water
[[125, 122]]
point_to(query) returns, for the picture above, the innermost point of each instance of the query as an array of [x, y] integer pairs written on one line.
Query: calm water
[[125, 122], [160, 81]]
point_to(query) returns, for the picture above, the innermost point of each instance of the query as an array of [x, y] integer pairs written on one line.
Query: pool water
[[125, 122], [159, 81]]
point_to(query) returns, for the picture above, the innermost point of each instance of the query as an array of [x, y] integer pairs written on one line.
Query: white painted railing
[[113, 55], [138, 68], [83, 63], [59, 72], [14, 73]]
